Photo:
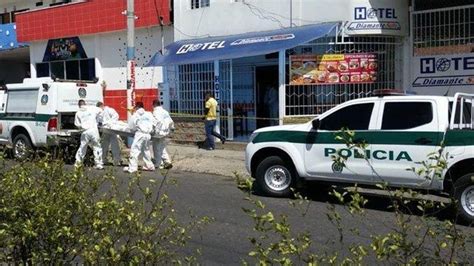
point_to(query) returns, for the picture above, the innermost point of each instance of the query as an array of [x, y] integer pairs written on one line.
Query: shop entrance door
[[267, 95]]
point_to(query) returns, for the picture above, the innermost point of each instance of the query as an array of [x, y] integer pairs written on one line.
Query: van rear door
[[68, 95]]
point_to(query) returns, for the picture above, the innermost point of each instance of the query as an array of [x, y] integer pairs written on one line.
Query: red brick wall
[[93, 16], [118, 99]]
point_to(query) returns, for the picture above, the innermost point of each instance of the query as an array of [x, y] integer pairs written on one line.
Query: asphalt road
[[226, 240]]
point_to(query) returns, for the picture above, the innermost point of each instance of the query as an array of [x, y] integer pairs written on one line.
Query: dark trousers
[[210, 133]]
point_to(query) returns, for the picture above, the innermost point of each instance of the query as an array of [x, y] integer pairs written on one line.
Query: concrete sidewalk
[[220, 161]]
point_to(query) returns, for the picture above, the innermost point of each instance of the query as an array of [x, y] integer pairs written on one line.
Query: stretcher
[[123, 131]]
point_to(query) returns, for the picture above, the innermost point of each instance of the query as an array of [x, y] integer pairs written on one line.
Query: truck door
[[323, 145], [407, 133]]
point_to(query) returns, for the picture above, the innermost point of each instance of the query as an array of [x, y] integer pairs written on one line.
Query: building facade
[[86, 40], [14, 55], [265, 61], [442, 47], [367, 49]]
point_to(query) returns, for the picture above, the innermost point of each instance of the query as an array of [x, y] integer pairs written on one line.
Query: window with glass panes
[[82, 69]]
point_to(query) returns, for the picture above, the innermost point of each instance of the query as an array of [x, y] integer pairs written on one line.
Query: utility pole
[[291, 13], [130, 12]]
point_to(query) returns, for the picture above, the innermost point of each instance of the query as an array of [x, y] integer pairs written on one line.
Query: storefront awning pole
[[281, 85]]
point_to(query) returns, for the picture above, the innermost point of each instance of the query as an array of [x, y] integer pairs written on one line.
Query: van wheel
[[464, 196], [274, 177], [22, 148]]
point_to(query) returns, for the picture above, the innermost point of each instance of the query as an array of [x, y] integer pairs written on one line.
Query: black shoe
[[223, 140]]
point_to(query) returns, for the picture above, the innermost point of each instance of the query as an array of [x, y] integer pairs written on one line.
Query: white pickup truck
[[39, 113], [399, 131]]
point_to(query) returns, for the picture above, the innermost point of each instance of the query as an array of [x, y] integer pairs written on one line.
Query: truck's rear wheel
[[22, 147], [464, 196], [275, 177]]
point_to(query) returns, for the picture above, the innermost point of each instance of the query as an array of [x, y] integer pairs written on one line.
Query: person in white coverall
[[86, 119], [108, 117], [163, 126], [142, 124]]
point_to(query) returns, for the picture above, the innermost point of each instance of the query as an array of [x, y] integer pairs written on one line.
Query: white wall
[[224, 17], [109, 49]]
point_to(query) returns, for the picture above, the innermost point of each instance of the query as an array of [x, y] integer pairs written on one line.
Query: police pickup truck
[[399, 131], [39, 113]]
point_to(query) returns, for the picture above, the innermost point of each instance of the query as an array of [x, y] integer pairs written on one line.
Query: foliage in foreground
[[50, 215]]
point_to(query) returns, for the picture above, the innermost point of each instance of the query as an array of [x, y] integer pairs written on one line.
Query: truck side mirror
[[315, 123]]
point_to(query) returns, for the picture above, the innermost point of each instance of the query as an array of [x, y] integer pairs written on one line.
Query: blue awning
[[8, 39], [241, 45]]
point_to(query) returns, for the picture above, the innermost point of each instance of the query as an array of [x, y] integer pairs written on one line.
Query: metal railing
[[443, 31]]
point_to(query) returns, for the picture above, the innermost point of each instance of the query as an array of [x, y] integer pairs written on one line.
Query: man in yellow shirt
[[210, 122]]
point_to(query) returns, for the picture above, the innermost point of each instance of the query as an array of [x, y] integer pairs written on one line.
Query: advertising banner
[[444, 70], [333, 68], [64, 49]]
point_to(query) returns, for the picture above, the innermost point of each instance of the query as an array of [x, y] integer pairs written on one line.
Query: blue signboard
[[8, 38]]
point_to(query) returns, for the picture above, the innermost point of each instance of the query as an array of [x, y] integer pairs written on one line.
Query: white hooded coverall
[[142, 124], [108, 117], [86, 119], [162, 129]]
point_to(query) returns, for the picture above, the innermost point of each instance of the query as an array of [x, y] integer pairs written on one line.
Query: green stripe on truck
[[453, 138], [31, 117]]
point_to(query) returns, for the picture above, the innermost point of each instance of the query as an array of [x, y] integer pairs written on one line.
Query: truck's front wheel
[[22, 148], [275, 177], [464, 196]]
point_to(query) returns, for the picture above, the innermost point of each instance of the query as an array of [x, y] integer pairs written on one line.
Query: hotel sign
[[388, 18], [444, 70]]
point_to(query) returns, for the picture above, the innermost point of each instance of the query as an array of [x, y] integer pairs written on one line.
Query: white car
[[399, 131]]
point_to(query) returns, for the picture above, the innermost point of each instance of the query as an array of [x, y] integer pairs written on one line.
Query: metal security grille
[[188, 86], [307, 100], [443, 31]]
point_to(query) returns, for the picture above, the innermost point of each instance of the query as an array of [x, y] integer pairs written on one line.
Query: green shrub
[[49, 214]]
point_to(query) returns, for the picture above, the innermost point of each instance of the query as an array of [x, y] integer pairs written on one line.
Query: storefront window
[[83, 69]]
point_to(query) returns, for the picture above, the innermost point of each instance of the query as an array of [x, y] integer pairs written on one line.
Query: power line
[[272, 16]]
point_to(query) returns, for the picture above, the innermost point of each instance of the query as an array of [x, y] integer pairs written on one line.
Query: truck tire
[[275, 177], [22, 147], [464, 196]]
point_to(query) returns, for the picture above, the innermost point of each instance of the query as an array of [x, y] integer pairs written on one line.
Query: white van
[[39, 113]]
